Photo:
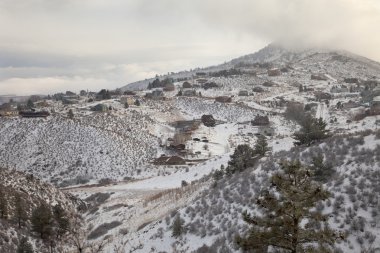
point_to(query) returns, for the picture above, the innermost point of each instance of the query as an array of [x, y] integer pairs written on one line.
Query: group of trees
[[157, 83], [312, 130], [104, 94], [48, 223], [245, 156], [226, 73], [19, 214]]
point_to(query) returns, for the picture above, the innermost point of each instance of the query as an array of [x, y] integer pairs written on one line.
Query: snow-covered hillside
[[215, 218], [148, 157], [58, 149]]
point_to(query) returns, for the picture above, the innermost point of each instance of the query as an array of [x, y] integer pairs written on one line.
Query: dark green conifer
[[20, 214], [177, 226], [289, 221], [3, 203], [312, 130], [42, 221], [261, 146], [24, 246], [241, 159]]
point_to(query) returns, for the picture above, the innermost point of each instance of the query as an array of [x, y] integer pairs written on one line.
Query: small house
[[269, 84], [209, 85], [155, 95], [351, 80], [319, 77], [322, 95], [223, 99], [189, 93], [341, 89], [100, 108], [243, 93], [127, 99], [169, 87], [187, 85], [350, 105], [274, 72], [258, 89]]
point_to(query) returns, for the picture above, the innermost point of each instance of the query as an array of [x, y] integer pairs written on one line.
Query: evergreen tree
[[261, 146], [20, 210], [241, 159], [312, 130], [3, 203], [70, 114], [42, 220], [289, 221], [62, 222], [300, 88], [137, 102], [104, 94], [218, 174], [126, 105], [177, 226], [24, 246], [323, 171], [30, 104]]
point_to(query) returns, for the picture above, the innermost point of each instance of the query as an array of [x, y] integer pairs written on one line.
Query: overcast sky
[[57, 45]]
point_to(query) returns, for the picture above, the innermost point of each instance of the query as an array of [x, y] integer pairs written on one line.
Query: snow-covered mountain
[[140, 165], [326, 60]]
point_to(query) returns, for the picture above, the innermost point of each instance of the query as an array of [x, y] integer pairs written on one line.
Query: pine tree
[[62, 222], [312, 130], [70, 114], [288, 221], [177, 226], [3, 203], [24, 246], [241, 159], [323, 171], [42, 220], [137, 102], [30, 104], [126, 105], [261, 146], [20, 210]]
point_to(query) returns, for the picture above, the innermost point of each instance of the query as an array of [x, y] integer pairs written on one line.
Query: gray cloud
[[111, 43]]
